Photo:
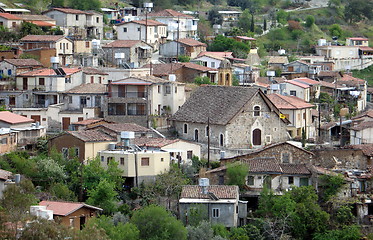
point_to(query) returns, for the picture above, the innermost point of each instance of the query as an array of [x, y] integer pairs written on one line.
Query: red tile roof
[[288, 102], [350, 80], [4, 175], [24, 62], [66, 208], [197, 67], [149, 22], [92, 136], [9, 16], [216, 54], [49, 72], [362, 125], [68, 10], [220, 191], [119, 127], [164, 69], [191, 42], [41, 38], [13, 118], [368, 114], [366, 148], [122, 44], [154, 142], [89, 121], [308, 81], [42, 23], [302, 85], [169, 13], [95, 88]]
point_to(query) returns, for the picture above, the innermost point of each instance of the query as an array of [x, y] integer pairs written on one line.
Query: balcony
[[128, 94], [136, 112]]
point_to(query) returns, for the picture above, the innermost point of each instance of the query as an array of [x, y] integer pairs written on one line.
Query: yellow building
[[225, 73]]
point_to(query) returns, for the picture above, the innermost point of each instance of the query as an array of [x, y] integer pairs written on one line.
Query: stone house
[[4, 176], [141, 99], [277, 62], [8, 141], [230, 117], [179, 25], [361, 128], [71, 214], [217, 203], [78, 24], [63, 46], [127, 53], [184, 46], [84, 53], [13, 67], [298, 112], [149, 31], [93, 75]]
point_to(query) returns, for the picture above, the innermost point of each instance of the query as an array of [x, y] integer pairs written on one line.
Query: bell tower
[[225, 73]]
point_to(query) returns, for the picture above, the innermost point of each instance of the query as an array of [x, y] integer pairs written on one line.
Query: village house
[[361, 129], [63, 46], [216, 203], [4, 177], [298, 89], [38, 20], [246, 74], [87, 123], [179, 25], [93, 75], [230, 118], [212, 59], [277, 62], [78, 24], [115, 129], [230, 18], [8, 140], [84, 53], [127, 53], [354, 89], [181, 47], [71, 214], [299, 66], [10, 21], [149, 31], [142, 99]]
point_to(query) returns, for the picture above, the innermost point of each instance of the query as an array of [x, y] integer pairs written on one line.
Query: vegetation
[[236, 174], [203, 80]]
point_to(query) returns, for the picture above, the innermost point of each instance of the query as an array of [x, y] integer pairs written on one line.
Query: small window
[[70, 99], [268, 139], [121, 161], [207, 131], [168, 89], [293, 93], [77, 17], [71, 222], [41, 81], [159, 89], [250, 180], [67, 80], [213, 64], [290, 180], [175, 89], [185, 130], [189, 154], [97, 19], [138, 29], [256, 111], [162, 159], [109, 159], [124, 29], [303, 182], [87, 44], [65, 152], [285, 156], [221, 140], [102, 158], [216, 212], [144, 161]]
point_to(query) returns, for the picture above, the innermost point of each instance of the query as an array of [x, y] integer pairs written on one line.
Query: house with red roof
[[183, 46], [148, 30], [212, 59], [71, 214], [10, 21], [179, 25], [298, 112], [12, 67], [298, 89]]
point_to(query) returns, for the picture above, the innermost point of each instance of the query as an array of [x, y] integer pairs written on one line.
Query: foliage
[[49, 171], [326, 98], [222, 43], [117, 231], [282, 16], [196, 214], [358, 10], [215, 17], [90, 231], [204, 29], [220, 230], [28, 56], [61, 191], [58, 3], [244, 21], [304, 137], [331, 185], [310, 20], [344, 215], [336, 30], [346, 233], [237, 173], [203, 80], [44, 229], [85, 4], [203, 231], [28, 28], [366, 73], [155, 223], [104, 196], [184, 58]]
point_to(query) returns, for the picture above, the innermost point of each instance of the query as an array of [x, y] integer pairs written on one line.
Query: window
[[293, 93], [121, 161], [168, 89], [83, 101], [216, 212], [12, 100], [65, 152], [144, 161], [76, 152], [77, 17], [162, 159], [213, 64], [80, 119], [60, 45], [304, 115], [71, 222], [9, 72], [41, 81], [97, 19], [303, 182], [102, 158], [70, 99], [138, 29], [189, 154], [159, 89], [92, 79], [67, 80], [185, 130], [285, 156], [207, 131], [124, 29], [175, 89], [196, 135], [256, 111], [290, 180], [221, 140], [250, 180], [67, 46], [109, 159], [87, 44], [99, 80], [268, 139]]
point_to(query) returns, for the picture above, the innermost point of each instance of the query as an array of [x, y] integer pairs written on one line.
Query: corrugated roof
[[13, 118], [220, 191], [218, 55], [288, 102], [66, 208]]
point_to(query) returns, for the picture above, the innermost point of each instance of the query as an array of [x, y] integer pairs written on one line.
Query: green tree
[[245, 20], [358, 10], [155, 223], [184, 58], [104, 196], [220, 230], [117, 231], [346, 233], [85, 4], [58, 3], [215, 17], [330, 185], [310, 20], [61, 191], [44, 229], [28, 28], [49, 171], [203, 80], [336, 30], [236, 173], [203, 231], [282, 16]]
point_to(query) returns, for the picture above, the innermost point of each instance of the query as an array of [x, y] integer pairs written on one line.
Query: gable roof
[[96, 88], [66, 208], [31, 17], [49, 72], [154, 142], [41, 38], [278, 60], [23, 62], [88, 121], [164, 69], [9, 16], [93, 71], [119, 127], [191, 42], [299, 84], [307, 81], [350, 80], [216, 55], [122, 44], [67, 10], [140, 80], [148, 22], [13, 118], [169, 13], [288, 102], [362, 125], [92, 136], [4, 175], [220, 191]]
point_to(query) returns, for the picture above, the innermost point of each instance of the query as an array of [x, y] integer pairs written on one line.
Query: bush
[[310, 20]]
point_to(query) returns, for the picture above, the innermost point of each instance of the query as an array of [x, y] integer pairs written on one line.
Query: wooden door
[[257, 137], [140, 91], [24, 83], [65, 123], [121, 91]]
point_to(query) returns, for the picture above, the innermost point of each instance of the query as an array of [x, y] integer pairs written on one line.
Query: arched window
[[196, 135], [256, 111], [207, 131], [257, 137], [227, 78], [221, 140], [185, 128]]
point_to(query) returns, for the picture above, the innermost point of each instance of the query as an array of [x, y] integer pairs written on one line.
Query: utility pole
[[177, 41], [208, 142]]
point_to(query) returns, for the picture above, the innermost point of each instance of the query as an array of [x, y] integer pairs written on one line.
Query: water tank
[[321, 42], [17, 178], [46, 214], [127, 135], [203, 182], [111, 146], [55, 60], [35, 210], [172, 77], [281, 51], [271, 73], [148, 5]]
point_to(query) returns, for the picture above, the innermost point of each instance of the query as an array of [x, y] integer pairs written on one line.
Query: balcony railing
[[129, 94]]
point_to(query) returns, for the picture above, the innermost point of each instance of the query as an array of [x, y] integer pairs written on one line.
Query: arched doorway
[[257, 137], [196, 135]]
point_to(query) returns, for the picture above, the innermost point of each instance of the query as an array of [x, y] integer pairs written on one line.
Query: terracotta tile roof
[[140, 80], [307, 81], [278, 60], [358, 39], [154, 142], [41, 38], [88, 121], [96, 88], [366, 48], [122, 44], [288, 102], [119, 127], [9, 16], [329, 74], [328, 125], [66, 208], [204, 99], [358, 126], [368, 114], [350, 80], [220, 191], [13, 118], [218, 55], [295, 169], [329, 85], [31, 17], [191, 42], [49, 72], [366, 148], [4, 175], [68, 10], [92, 136], [164, 69], [42, 23], [197, 67], [93, 71], [168, 13], [149, 22], [299, 84], [24, 62]]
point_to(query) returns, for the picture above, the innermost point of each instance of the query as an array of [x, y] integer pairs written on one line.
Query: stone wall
[[341, 158]]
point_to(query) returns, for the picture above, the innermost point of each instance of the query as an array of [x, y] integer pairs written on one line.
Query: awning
[[145, 47]]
